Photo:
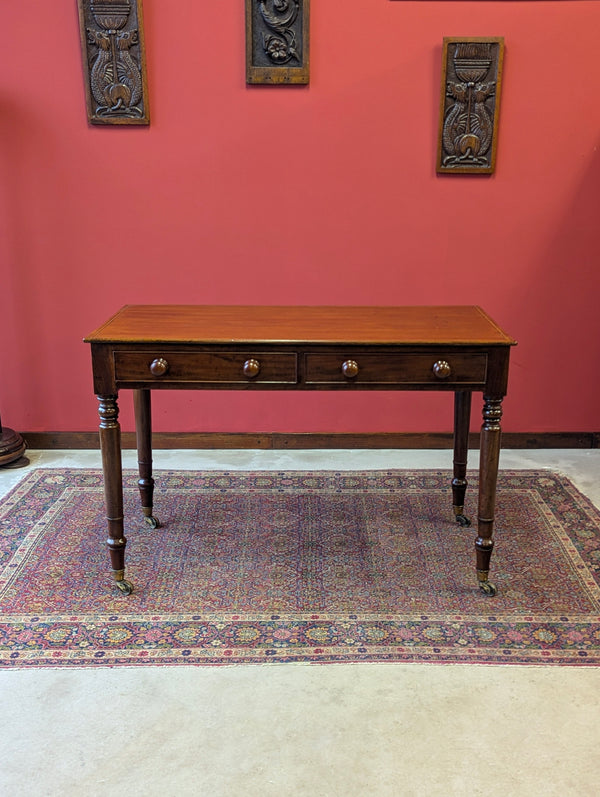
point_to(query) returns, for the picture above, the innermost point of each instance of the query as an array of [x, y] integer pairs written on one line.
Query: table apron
[[257, 367]]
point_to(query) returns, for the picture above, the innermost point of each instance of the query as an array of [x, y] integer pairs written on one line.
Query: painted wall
[[319, 194]]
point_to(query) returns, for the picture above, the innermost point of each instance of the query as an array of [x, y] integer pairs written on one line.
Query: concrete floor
[[293, 729]]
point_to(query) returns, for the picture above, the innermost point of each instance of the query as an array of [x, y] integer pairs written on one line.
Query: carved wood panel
[[277, 41], [470, 103], [114, 61]]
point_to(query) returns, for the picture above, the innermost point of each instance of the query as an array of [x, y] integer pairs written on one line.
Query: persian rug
[[297, 567]]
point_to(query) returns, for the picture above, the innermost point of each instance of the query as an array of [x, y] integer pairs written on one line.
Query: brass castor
[[126, 587], [152, 521], [463, 520], [487, 588]]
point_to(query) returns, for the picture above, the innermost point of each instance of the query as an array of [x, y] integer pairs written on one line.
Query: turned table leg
[[110, 445], [462, 418], [488, 475], [143, 431]]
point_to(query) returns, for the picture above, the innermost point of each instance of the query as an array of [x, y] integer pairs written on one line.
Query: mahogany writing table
[[190, 347]]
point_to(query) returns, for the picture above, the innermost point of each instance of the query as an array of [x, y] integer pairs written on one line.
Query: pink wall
[[292, 195]]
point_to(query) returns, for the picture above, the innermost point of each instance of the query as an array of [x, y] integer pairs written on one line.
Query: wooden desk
[[157, 347]]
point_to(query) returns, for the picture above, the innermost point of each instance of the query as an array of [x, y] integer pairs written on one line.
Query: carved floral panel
[[470, 104], [114, 61], [277, 41]]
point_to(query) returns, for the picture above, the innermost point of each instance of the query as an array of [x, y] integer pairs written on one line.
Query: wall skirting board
[[281, 440]]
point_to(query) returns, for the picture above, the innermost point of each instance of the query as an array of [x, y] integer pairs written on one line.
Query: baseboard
[[278, 440]]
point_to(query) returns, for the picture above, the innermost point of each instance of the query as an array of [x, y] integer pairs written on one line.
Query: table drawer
[[206, 367], [396, 369]]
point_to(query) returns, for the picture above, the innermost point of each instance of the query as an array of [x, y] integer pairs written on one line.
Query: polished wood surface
[[151, 347], [282, 324]]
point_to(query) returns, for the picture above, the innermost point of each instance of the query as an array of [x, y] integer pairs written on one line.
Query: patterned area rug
[[297, 566]]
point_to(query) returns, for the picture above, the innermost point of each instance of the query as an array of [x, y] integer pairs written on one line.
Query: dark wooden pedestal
[[12, 445]]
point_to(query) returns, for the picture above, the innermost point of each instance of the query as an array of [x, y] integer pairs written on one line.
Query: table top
[[224, 324]]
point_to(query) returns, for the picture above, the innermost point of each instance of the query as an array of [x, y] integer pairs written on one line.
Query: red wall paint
[[301, 195]]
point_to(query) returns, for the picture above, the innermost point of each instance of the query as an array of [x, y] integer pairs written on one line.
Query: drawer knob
[[251, 368], [159, 366], [442, 369], [350, 368]]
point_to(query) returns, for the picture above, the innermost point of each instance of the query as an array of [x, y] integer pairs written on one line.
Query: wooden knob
[[442, 369], [159, 366], [251, 368], [350, 368]]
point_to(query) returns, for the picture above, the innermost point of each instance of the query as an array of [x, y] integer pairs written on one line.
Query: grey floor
[[319, 730]]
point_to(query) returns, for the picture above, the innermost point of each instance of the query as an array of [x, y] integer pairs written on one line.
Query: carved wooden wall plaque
[[114, 61], [277, 41], [470, 104]]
